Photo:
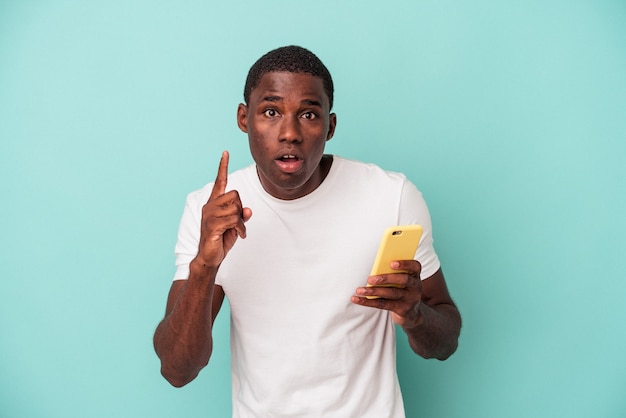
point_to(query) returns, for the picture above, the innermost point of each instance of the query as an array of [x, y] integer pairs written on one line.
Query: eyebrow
[[312, 103], [272, 99], [308, 102]]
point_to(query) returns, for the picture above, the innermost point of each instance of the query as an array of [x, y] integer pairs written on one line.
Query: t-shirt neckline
[[318, 193]]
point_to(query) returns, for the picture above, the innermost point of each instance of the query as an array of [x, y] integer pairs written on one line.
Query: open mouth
[[289, 163], [288, 158]]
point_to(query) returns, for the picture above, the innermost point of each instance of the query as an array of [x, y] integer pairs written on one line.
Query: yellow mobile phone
[[397, 243]]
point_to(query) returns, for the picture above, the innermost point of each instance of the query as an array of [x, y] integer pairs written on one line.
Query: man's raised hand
[[223, 220]]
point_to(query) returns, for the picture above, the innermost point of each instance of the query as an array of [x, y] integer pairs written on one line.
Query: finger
[[219, 187], [412, 267], [378, 302], [392, 279], [384, 292], [229, 210], [246, 214]]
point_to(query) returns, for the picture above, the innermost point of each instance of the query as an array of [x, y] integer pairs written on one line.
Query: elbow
[[178, 365], [450, 339], [180, 376], [446, 354], [446, 350], [440, 347], [435, 353], [177, 380], [181, 370]]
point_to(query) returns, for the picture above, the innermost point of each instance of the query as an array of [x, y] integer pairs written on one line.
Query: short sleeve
[[189, 233], [413, 210]]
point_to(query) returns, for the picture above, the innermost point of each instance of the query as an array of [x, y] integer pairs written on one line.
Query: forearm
[[183, 340], [437, 331]]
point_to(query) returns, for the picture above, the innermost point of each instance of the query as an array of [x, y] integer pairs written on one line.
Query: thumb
[[247, 214]]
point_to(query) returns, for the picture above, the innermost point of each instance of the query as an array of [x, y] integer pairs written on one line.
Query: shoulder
[[368, 170]]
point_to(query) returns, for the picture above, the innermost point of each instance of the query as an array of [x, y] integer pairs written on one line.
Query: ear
[[242, 117], [332, 124]]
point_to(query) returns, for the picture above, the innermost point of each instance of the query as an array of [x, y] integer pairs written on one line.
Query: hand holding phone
[[397, 243]]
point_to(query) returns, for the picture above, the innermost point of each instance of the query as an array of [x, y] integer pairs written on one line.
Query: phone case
[[398, 243]]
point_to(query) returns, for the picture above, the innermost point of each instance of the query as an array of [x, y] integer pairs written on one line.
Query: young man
[[294, 264]]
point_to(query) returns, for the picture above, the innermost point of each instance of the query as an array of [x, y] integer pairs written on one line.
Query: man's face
[[288, 122]]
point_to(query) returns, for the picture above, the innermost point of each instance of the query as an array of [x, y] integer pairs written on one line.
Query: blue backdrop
[[509, 116]]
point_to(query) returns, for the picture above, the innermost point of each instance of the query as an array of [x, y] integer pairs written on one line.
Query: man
[[305, 338]]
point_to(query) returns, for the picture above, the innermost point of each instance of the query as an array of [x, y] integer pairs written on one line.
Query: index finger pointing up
[[219, 187]]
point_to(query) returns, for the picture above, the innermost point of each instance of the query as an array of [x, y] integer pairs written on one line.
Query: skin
[[288, 122], [289, 114]]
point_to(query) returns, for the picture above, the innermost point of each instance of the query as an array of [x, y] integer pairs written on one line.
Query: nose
[[290, 129]]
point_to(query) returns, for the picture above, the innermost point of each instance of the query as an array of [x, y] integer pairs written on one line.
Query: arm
[[435, 332], [424, 309], [183, 340]]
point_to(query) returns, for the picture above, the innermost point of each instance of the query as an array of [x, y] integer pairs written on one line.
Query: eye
[[309, 115], [270, 113]]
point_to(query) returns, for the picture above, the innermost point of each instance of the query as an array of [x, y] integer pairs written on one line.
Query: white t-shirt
[[300, 348]]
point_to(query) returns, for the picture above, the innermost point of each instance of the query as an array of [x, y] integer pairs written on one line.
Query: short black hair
[[293, 59]]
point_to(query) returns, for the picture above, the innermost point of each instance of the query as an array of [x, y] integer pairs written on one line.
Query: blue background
[[509, 116]]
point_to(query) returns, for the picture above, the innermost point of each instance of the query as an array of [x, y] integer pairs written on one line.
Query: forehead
[[288, 85]]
